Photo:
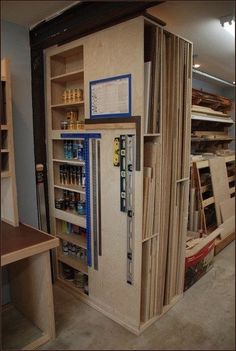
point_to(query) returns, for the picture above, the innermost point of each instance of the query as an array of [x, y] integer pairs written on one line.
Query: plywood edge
[[204, 242], [222, 243], [29, 251], [166, 308], [109, 126], [38, 342]]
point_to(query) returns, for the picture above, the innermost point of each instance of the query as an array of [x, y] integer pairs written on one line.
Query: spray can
[[83, 177], [80, 153]]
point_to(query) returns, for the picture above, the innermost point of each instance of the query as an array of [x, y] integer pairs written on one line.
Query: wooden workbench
[[28, 321]]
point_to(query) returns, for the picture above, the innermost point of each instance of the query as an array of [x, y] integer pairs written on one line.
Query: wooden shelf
[[4, 127], [5, 174], [74, 239], [25, 332], [74, 104], [208, 201], [212, 140], [207, 118], [56, 134], [4, 151], [151, 135], [232, 190], [150, 237], [68, 76], [72, 286], [74, 188], [70, 217], [71, 162], [74, 263]]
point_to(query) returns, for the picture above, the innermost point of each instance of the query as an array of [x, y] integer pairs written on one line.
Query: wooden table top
[[23, 241]]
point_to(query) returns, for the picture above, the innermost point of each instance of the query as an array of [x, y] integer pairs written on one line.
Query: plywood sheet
[[227, 208], [220, 183], [228, 227]]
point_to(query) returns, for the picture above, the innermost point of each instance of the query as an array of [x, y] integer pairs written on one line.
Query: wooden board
[[222, 243], [220, 183], [227, 227], [227, 208], [25, 241]]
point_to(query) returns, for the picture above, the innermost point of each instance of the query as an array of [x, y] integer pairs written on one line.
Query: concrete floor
[[203, 320]]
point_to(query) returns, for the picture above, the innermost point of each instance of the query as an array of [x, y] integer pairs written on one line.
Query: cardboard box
[[199, 259]]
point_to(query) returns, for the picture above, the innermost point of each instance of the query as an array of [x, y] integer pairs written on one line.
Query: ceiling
[[29, 13], [198, 21]]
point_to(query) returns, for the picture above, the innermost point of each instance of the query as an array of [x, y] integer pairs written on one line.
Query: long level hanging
[[127, 168]]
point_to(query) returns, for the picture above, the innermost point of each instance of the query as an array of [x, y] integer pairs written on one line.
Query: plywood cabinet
[[113, 248]]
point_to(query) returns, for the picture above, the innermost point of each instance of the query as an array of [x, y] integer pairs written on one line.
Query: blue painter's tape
[[80, 135], [87, 201], [86, 137]]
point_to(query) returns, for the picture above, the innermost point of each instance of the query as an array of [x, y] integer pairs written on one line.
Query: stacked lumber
[[216, 102], [166, 178], [212, 193]]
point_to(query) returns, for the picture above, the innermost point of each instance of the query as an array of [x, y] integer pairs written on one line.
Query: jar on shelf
[[80, 151], [64, 125], [71, 125], [79, 95], [79, 125]]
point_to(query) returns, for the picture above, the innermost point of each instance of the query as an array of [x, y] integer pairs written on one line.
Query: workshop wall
[[15, 46]]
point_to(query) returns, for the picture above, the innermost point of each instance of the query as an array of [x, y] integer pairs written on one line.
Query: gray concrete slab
[[203, 320]]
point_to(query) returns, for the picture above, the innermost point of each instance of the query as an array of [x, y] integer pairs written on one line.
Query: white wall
[[15, 46]]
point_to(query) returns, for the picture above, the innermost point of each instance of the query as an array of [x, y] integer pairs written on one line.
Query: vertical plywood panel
[[220, 183], [111, 52], [108, 286]]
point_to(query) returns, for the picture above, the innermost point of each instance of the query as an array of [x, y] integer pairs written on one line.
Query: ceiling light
[[228, 23], [195, 65], [233, 82]]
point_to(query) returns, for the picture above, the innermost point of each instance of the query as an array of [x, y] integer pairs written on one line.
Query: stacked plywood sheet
[[166, 176]]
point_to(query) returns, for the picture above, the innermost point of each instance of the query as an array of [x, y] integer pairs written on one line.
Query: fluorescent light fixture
[[228, 23], [195, 65], [230, 27]]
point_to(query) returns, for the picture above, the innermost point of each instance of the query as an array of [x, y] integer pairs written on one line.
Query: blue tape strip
[[86, 137], [87, 202], [80, 135]]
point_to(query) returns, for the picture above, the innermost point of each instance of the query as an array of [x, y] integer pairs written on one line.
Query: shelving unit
[[66, 71], [209, 129], [9, 211], [120, 249]]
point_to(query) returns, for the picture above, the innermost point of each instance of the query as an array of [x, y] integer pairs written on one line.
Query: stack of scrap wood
[[212, 195], [166, 179], [208, 111], [216, 102]]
